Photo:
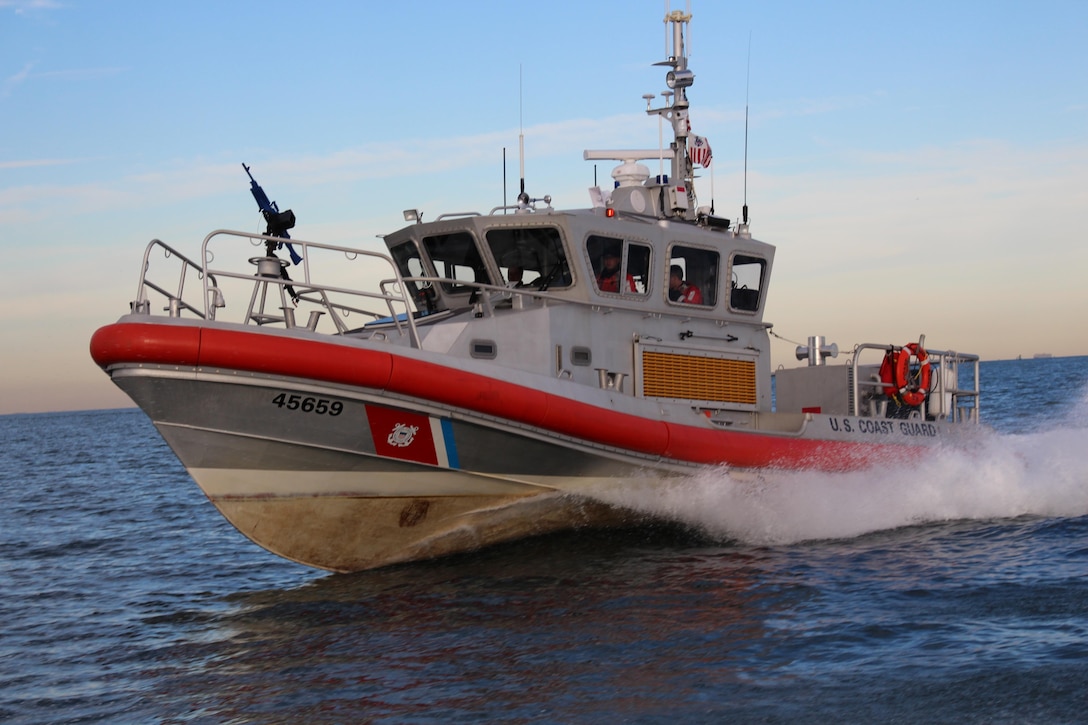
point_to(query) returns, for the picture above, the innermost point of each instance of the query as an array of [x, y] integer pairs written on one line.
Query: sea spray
[[999, 476]]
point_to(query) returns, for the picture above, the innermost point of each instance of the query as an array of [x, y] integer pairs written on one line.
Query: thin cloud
[[14, 81], [21, 7], [71, 74], [79, 74], [427, 156], [812, 106], [421, 158], [35, 163]]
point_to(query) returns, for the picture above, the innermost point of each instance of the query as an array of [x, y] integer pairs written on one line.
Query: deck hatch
[[698, 376]]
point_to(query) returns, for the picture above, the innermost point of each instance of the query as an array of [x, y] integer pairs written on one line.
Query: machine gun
[[278, 223]]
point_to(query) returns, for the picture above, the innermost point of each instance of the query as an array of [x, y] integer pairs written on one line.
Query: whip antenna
[[523, 198], [747, 86]]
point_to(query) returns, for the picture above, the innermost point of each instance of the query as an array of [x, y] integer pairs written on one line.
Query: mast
[[678, 80], [677, 193]]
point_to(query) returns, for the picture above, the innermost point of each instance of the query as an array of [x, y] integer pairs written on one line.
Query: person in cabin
[[608, 280], [681, 291], [513, 277]]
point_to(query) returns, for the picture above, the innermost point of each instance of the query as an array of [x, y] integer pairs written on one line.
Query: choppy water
[[955, 591]]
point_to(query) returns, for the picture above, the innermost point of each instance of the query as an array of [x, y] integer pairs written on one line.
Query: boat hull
[[315, 489], [345, 534]]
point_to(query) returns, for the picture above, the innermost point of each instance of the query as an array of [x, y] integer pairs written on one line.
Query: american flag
[[699, 151]]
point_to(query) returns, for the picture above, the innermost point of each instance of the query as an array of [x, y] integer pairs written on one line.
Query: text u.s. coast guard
[[883, 427]]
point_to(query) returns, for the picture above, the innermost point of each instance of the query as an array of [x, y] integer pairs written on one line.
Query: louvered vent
[[698, 377]]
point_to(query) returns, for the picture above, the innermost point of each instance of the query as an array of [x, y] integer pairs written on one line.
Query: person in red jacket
[[681, 291], [608, 280]]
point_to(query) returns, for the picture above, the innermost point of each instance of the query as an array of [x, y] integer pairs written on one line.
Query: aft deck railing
[[946, 398]]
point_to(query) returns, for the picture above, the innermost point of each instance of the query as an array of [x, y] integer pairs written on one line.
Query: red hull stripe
[[376, 369]]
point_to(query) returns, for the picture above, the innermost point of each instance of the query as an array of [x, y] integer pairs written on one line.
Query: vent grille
[[696, 377]]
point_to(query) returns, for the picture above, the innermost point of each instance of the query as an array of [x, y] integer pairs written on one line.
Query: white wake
[[1002, 476]]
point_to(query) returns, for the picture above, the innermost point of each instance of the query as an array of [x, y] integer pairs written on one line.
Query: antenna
[[523, 198], [668, 11], [687, 11], [747, 85], [667, 95]]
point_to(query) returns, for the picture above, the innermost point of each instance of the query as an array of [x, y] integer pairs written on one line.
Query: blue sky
[[922, 167]]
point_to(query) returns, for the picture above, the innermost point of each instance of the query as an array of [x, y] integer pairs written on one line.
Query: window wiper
[[560, 265]]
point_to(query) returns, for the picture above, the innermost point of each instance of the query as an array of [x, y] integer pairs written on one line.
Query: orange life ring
[[896, 377]]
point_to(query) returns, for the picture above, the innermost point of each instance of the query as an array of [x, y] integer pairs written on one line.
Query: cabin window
[[692, 276], [530, 257], [619, 266], [410, 263], [456, 257], [746, 275]]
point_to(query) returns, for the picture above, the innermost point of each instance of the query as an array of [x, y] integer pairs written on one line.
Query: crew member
[[681, 291], [609, 278]]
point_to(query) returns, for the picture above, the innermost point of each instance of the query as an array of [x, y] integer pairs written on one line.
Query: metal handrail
[[176, 299], [306, 284], [947, 362]]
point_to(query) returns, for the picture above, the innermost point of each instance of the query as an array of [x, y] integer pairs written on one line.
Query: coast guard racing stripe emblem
[[412, 437]]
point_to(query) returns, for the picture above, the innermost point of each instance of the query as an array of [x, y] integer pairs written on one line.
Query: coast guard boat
[[502, 367]]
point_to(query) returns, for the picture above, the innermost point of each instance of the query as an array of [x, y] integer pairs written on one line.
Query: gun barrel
[[258, 193]]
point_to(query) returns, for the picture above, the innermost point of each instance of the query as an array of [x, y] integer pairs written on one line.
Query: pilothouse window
[[746, 282], [692, 276], [410, 264], [619, 266], [456, 257], [530, 257]]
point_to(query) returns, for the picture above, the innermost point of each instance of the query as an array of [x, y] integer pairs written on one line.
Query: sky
[[922, 168]]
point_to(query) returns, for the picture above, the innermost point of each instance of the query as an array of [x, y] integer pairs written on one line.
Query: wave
[[1001, 476]]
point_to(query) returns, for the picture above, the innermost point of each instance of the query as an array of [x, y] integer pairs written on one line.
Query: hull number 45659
[[318, 406]]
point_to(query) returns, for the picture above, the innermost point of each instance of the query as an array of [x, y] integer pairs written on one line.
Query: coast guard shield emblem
[[402, 435]]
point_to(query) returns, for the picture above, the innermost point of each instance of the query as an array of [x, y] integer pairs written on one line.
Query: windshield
[[530, 256], [456, 257]]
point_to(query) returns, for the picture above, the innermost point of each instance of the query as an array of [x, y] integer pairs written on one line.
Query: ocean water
[[955, 590]]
